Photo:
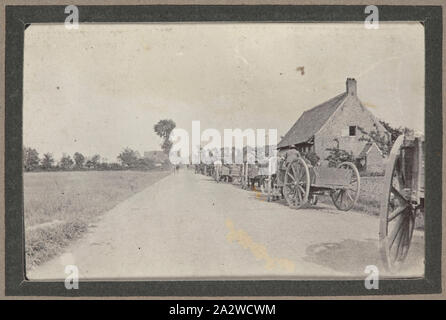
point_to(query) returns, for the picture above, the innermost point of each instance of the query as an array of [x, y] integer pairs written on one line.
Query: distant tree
[[384, 140], [93, 162], [394, 132], [166, 164], [95, 159], [128, 158], [166, 146], [66, 163], [114, 166], [164, 128], [79, 160], [30, 159], [47, 161], [145, 164]]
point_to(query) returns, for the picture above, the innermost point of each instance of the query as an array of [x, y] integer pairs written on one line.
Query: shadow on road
[[352, 256]]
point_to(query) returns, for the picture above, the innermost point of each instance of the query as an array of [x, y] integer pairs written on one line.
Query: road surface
[[188, 226]]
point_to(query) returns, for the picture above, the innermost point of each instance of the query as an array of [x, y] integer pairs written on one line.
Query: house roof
[[311, 121]]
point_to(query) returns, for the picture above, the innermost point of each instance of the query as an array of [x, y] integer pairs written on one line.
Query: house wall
[[350, 113], [375, 160]]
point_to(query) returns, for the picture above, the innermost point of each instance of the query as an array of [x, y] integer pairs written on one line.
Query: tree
[[312, 157], [145, 164], [30, 159], [166, 146], [384, 140], [66, 163], [47, 161], [93, 162], [164, 128], [337, 156], [128, 158], [79, 160]]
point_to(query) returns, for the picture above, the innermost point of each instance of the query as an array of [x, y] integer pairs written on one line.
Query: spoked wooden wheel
[[297, 183], [346, 197], [397, 217]]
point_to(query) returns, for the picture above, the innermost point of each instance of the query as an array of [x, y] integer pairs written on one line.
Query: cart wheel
[[397, 217], [344, 199], [297, 183]]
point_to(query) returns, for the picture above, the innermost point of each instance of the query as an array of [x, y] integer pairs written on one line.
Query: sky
[[102, 87]]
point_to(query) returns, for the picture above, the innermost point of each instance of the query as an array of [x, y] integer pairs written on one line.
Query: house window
[[352, 131]]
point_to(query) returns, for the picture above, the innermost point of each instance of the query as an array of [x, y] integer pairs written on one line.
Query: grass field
[[59, 206]]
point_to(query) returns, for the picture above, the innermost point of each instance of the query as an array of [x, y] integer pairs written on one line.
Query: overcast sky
[[102, 87]]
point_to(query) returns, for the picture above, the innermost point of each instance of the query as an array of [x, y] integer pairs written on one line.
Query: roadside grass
[[59, 206], [370, 197]]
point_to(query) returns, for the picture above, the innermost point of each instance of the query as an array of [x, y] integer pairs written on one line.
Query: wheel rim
[[345, 199], [397, 218], [297, 183]]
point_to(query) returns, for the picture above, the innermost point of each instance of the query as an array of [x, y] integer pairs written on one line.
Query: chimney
[[351, 86]]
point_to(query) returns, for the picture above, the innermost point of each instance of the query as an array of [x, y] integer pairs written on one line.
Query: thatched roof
[[311, 121]]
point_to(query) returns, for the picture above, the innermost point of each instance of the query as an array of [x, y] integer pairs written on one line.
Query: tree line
[[127, 159]]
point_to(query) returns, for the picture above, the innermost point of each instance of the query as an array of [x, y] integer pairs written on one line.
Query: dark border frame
[[17, 18]]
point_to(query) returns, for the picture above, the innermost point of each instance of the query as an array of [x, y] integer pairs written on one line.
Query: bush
[[312, 157], [337, 156]]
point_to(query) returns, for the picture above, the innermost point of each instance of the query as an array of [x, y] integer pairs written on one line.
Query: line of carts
[[289, 175]]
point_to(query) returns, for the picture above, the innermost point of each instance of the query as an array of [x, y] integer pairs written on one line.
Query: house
[[371, 158], [157, 156], [335, 123]]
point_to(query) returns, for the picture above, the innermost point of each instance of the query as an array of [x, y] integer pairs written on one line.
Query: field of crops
[[59, 206]]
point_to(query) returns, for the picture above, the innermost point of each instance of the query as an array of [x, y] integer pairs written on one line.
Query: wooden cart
[[300, 183], [402, 198]]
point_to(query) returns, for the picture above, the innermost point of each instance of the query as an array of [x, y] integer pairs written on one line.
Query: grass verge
[[59, 206]]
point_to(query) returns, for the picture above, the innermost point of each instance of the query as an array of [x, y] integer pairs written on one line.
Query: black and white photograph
[[224, 150]]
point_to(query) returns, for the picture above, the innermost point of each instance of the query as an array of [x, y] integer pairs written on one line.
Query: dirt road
[[188, 226]]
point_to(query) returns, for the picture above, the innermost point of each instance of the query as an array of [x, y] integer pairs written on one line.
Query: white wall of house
[[374, 160], [342, 128]]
